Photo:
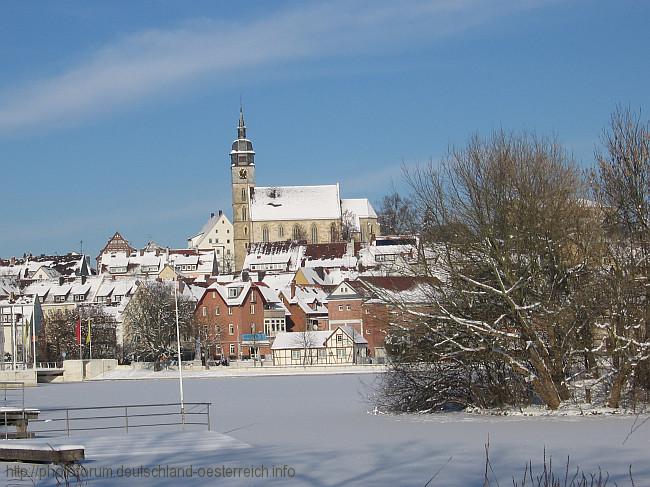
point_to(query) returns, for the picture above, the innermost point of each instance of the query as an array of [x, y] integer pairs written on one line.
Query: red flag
[[77, 330]]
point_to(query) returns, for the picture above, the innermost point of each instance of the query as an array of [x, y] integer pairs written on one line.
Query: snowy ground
[[239, 371], [322, 427]]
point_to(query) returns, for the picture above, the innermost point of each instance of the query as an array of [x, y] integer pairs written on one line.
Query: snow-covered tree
[[622, 186], [518, 245], [150, 321]]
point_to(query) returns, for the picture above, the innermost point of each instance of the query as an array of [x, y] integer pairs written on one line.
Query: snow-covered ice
[[324, 427]]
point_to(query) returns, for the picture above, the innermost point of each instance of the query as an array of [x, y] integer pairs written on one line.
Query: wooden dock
[[33, 453]]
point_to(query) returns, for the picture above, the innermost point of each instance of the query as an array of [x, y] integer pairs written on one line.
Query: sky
[[118, 116]]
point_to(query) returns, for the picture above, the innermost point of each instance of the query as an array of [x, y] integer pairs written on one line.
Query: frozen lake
[[322, 427]]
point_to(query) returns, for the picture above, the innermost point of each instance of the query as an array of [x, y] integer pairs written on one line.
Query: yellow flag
[[88, 334]]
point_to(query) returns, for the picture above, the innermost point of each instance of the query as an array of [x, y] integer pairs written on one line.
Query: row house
[[307, 307], [366, 304], [216, 234], [246, 314], [341, 346], [42, 267]]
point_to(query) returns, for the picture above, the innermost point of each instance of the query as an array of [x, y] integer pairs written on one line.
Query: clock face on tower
[[243, 174]]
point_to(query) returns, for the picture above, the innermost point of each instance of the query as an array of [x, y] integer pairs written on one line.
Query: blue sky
[[120, 115]]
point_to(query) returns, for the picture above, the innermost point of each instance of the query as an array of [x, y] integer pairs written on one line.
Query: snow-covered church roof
[[295, 203], [359, 208]]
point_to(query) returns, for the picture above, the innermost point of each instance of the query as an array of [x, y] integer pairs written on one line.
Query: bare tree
[[59, 333], [518, 245], [622, 187], [150, 321], [348, 225], [208, 333], [307, 340], [397, 215]]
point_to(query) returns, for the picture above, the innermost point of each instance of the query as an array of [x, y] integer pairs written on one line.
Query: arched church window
[[281, 231], [314, 233], [296, 232], [333, 233], [243, 194], [244, 214], [265, 233]]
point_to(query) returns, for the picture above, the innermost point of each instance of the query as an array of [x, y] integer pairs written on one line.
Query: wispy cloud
[[145, 64]]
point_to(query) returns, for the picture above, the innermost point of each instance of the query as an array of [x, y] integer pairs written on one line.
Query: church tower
[[242, 167]]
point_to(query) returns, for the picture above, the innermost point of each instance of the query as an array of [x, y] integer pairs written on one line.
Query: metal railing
[[49, 365], [12, 394], [54, 421]]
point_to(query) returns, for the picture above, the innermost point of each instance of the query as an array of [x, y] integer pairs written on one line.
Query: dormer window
[[79, 297], [233, 292]]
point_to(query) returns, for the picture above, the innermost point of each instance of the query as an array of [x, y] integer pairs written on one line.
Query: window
[[340, 307], [79, 297], [295, 354], [210, 240], [367, 311], [296, 232], [217, 312], [333, 233], [244, 214], [322, 354], [339, 338], [314, 233], [230, 310], [253, 297], [243, 194], [233, 292], [59, 299], [348, 307], [265, 233], [281, 231], [231, 329], [205, 311], [252, 309], [214, 294], [232, 349], [340, 353]]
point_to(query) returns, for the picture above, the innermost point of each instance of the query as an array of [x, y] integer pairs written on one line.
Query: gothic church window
[[265, 233], [296, 232], [333, 232], [314, 234], [281, 231]]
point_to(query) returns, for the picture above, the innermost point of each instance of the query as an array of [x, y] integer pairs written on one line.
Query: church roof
[[295, 203], [360, 208]]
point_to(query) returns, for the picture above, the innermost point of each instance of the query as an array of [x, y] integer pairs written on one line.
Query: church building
[[314, 214]]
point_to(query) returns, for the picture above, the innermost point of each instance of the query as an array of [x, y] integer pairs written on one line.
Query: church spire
[[241, 128], [242, 153]]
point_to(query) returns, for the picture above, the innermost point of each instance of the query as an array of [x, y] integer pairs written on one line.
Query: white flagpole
[[90, 339], [178, 349]]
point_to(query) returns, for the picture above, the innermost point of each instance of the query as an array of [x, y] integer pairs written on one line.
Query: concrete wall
[[28, 377], [78, 370]]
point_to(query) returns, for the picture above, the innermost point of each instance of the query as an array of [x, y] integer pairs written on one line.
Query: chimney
[[293, 288], [244, 276], [61, 280], [212, 215], [220, 212]]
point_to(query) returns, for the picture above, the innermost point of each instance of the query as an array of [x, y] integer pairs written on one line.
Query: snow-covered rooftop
[[295, 203]]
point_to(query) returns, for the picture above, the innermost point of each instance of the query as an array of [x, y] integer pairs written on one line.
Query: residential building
[[216, 234], [343, 345]]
